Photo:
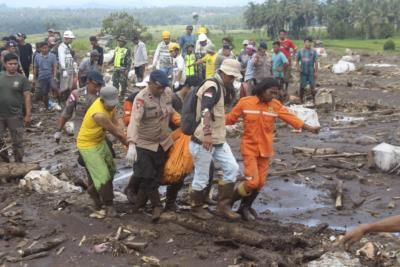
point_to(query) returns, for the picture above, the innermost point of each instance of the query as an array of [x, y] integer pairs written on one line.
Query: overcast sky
[[122, 3]]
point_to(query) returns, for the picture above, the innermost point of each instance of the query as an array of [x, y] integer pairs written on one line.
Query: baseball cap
[[94, 53], [21, 35], [159, 77], [231, 67], [245, 42], [202, 37], [51, 30], [227, 46], [263, 45], [109, 95], [96, 77], [11, 43]]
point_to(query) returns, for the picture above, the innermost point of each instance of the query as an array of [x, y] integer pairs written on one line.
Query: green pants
[[100, 164], [120, 78]]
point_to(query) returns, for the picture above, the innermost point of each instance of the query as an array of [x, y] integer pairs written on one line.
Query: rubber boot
[[224, 207], [197, 199], [172, 195], [207, 198], [94, 196], [132, 189], [247, 212], [154, 198], [141, 200]]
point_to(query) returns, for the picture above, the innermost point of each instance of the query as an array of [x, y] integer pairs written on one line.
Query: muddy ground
[[295, 209]]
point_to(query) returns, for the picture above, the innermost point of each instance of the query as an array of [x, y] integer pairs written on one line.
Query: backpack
[[189, 109]]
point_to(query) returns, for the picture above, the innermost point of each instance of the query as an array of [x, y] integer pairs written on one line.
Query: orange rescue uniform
[[257, 141]]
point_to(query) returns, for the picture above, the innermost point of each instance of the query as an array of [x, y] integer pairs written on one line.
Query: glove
[[65, 74], [176, 85], [131, 156], [57, 136]]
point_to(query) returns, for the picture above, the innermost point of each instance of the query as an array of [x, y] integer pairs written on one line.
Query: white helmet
[[69, 34], [202, 37]]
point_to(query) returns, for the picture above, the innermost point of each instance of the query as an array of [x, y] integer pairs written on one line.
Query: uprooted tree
[[121, 23]]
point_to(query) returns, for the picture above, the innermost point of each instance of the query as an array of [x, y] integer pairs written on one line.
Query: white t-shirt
[[179, 66]]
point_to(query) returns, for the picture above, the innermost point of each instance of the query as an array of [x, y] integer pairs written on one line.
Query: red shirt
[[286, 45]]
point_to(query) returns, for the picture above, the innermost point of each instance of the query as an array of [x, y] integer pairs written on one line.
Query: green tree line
[[365, 19], [37, 20]]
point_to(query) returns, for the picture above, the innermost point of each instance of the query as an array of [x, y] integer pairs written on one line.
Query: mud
[[292, 208]]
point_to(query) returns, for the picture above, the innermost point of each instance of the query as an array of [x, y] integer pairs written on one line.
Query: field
[[81, 44]]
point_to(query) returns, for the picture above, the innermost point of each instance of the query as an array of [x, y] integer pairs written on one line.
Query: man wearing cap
[[186, 39], [209, 141], [201, 45], [139, 58], [96, 46], [122, 64], [66, 65], [162, 59], [93, 148], [149, 140], [209, 61], [87, 65], [79, 102], [25, 53], [178, 73]]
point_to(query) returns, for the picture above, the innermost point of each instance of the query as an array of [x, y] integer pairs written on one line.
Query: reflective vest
[[119, 56], [189, 63]]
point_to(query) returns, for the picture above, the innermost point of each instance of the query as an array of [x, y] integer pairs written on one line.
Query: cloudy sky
[[123, 3]]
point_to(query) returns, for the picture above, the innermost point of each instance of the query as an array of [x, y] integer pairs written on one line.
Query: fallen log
[[339, 195], [16, 169], [314, 151], [294, 171], [45, 246], [342, 155], [237, 233]]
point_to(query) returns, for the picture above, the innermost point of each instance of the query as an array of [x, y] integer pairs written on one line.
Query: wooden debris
[[16, 169], [138, 246], [314, 151], [294, 171], [339, 195], [151, 260], [44, 246], [342, 155], [12, 204]]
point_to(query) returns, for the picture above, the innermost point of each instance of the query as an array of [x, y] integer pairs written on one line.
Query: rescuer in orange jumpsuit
[[259, 113]]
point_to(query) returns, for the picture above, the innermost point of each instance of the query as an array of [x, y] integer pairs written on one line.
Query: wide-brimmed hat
[[231, 67]]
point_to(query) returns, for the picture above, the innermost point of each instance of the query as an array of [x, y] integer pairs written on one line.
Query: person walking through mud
[[259, 113], [149, 139], [209, 141], [93, 148], [307, 66], [15, 106]]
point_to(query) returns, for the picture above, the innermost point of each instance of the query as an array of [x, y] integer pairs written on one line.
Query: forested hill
[[36, 20]]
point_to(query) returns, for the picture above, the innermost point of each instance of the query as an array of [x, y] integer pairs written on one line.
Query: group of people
[[190, 88]]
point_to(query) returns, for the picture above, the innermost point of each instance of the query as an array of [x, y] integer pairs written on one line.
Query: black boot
[[172, 195], [224, 207], [132, 189], [247, 212], [197, 201], [141, 200], [154, 198]]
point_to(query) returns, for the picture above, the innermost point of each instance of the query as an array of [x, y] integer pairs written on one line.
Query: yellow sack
[[179, 160]]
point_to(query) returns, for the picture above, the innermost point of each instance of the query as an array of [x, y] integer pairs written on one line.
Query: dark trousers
[[15, 126], [139, 72], [148, 169]]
